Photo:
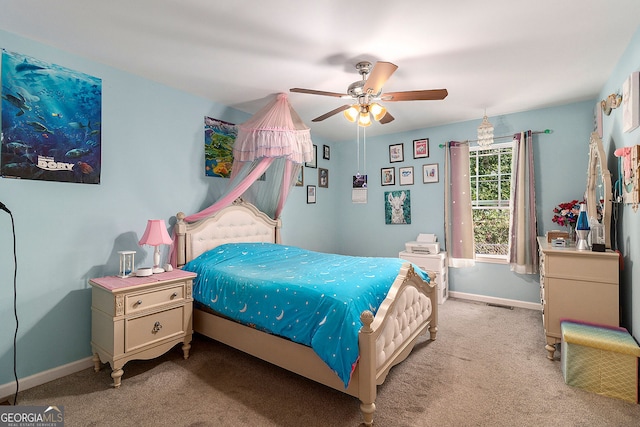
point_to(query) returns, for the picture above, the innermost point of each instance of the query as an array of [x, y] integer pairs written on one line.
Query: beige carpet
[[488, 367]]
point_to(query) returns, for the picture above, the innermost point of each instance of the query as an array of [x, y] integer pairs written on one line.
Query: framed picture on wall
[[388, 176], [314, 162], [405, 175], [311, 193], [420, 148], [323, 178], [396, 153], [430, 173], [326, 152], [397, 207]]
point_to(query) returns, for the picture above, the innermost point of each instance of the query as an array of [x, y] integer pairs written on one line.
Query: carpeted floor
[[488, 367]]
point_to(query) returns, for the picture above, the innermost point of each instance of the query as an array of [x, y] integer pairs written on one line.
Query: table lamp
[[156, 235]]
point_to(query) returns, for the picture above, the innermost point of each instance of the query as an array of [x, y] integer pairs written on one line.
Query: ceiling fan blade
[[318, 92], [378, 76], [331, 113], [386, 118], [415, 95]]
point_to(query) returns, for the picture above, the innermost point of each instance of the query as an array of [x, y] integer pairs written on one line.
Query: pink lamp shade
[[156, 235]]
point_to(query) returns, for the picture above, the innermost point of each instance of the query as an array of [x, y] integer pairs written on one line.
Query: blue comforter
[[309, 297]]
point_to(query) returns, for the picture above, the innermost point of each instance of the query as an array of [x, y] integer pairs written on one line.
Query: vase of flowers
[[566, 215]]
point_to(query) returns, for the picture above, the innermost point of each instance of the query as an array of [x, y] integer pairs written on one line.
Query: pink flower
[[566, 213]]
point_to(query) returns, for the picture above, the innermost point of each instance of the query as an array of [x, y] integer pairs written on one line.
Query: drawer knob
[[156, 328], [173, 295], [139, 302]]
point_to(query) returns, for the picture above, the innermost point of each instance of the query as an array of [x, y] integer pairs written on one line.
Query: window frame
[[487, 258]]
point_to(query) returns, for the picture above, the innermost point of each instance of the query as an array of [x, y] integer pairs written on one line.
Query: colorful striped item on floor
[[600, 359]]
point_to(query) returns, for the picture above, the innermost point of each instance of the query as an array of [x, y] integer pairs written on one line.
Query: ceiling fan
[[367, 93]]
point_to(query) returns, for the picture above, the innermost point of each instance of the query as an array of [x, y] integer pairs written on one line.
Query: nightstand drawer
[[141, 301], [142, 331], [431, 262]]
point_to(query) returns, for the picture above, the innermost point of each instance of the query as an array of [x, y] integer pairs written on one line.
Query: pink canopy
[[274, 132], [275, 135]]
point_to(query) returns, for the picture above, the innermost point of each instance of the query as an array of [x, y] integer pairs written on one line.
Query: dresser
[[139, 318], [578, 285], [432, 262]]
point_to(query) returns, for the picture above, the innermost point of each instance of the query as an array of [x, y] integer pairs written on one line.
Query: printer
[[425, 243]]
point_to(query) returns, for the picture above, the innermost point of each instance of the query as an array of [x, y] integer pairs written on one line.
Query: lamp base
[[157, 270], [581, 240]]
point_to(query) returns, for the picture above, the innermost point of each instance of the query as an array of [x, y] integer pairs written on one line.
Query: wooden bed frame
[[410, 309]]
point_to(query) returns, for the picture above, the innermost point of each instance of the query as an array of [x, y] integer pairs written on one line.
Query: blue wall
[[560, 162], [629, 222], [152, 167]]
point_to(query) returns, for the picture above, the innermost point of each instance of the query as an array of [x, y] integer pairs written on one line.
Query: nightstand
[[432, 262], [139, 318]]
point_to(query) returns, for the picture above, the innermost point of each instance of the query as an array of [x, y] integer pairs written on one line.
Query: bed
[[409, 309]]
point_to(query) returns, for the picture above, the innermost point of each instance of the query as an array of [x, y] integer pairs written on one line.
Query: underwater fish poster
[[219, 138], [51, 119]]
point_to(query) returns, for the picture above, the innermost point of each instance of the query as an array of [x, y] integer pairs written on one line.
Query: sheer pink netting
[[235, 191], [274, 132]]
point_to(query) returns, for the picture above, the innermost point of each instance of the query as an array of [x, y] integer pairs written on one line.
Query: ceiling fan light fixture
[[351, 113], [377, 111], [485, 133], [365, 119]]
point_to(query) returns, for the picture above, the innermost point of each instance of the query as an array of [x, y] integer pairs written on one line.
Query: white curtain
[[523, 252], [459, 239]]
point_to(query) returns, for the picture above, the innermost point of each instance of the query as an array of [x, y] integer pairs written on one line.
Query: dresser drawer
[[142, 331], [155, 298], [433, 262], [584, 268]]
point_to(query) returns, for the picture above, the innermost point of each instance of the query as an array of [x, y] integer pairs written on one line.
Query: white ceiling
[[504, 56]]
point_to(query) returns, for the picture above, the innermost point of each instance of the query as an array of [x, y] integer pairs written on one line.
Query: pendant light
[[485, 132]]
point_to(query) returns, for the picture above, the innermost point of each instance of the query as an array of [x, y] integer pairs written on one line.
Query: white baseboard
[[494, 300], [9, 389]]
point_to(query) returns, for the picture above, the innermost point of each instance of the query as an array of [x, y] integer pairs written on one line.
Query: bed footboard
[[386, 339]]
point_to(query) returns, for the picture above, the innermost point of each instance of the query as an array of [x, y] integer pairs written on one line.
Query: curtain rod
[[547, 131]]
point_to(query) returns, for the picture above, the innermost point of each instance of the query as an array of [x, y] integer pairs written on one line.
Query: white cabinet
[[432, 262]]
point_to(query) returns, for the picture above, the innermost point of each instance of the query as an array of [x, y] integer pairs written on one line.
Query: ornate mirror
[[598, 194]]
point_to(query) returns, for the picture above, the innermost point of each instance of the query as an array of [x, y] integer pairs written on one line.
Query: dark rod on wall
[[535, 132]]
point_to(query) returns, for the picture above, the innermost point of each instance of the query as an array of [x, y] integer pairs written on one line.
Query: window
[[490, 172]]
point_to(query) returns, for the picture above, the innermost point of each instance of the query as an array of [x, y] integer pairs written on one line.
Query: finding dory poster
[[51, 119]]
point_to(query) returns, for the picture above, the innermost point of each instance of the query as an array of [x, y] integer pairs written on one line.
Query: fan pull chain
[[364, 150], [358, 147]]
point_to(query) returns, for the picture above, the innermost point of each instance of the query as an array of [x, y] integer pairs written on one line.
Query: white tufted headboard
[[238, 222]]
